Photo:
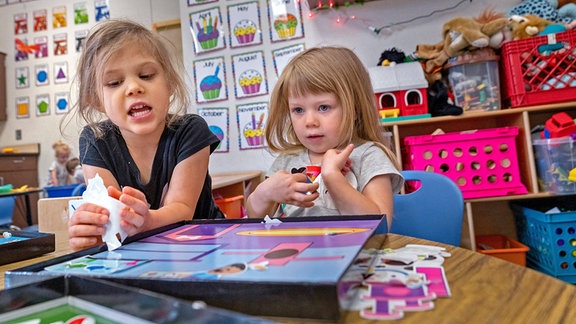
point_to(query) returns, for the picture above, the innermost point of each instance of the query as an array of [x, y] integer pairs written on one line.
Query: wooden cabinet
[[489, 215], [21, 168]]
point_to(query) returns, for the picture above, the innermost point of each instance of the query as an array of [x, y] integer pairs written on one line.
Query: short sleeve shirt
[[368, 161], [185, 137]]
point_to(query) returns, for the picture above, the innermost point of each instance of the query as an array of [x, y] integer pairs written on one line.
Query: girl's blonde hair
[[329, 69], [60, 147], [102, 43]]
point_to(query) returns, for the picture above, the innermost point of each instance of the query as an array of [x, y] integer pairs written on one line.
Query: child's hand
[[337, 161], [133, 218], [283, 187], [87, 225]]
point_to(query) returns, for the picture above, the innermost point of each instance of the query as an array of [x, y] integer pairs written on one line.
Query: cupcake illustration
[[254, 133], [208, 33], [211, 85], [245, 30], [285, 25], [250, 81]]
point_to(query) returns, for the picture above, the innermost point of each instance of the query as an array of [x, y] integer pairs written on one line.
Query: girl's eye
[[146, 76], [113, 84], [297, 110], [323, 108]]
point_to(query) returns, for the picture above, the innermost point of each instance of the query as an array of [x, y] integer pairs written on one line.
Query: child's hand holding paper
[[96, 193]]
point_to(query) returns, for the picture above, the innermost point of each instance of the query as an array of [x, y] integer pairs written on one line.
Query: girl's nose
[[133, 87], [311, 119]]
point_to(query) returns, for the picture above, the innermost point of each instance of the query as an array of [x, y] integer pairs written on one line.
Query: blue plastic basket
[[60, 191], [551, 237]]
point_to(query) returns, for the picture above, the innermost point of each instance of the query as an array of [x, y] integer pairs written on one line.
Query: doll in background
[[323, 112], [75, 171], [58, 173]]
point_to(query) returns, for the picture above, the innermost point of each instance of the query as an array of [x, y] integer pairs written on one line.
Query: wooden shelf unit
[[21, 168], [489, 215]]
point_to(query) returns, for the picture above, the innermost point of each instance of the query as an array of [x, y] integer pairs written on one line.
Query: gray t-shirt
[[368, 161]]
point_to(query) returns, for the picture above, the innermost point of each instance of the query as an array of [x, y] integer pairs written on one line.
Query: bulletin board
[[237, 51]]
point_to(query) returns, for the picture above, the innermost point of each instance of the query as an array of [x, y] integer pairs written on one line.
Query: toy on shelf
[[559, 125], [400, 91], [474, 78], [572, 175], [462, 34]]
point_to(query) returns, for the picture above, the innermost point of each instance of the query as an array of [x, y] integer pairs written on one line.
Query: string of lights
[[342, 16]]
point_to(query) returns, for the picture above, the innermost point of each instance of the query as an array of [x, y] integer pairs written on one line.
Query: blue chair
[[6, 210], [433, 212], [79, 189]]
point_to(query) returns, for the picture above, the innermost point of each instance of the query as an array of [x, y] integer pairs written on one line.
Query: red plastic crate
[[535, 77], [483, 163]]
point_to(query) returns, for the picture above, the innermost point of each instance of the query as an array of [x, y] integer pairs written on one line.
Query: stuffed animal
[[566, 8], [461, 35], [547, 9], [527, 26]]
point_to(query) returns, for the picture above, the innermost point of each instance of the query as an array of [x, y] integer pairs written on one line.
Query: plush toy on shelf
[[527, 25], [465, 34], [558, 11]]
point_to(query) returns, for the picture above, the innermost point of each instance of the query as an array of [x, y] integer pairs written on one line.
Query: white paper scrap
[[97, 194]]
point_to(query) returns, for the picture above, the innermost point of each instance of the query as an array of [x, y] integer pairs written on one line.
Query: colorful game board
[[20, 245], [241, 264], [75, 300]]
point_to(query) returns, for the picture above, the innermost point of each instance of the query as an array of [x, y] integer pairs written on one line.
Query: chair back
[[6, 210], [433, 212], [79, 190], [53, 216]]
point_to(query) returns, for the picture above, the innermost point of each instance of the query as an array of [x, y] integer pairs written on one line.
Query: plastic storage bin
[[503, 248], [60, 191], [231, 207], [483, 163], [534, 73], [475, 80], [555, 158], [550, 237]]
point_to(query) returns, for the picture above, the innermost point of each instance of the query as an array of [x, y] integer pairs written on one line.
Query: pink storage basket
[[483, 163]]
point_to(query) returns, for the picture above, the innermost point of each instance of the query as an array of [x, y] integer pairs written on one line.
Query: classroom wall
[[411, 22], [408, 22], [46, 129]]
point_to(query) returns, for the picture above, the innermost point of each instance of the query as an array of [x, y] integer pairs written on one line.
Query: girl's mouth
[[139, 110]]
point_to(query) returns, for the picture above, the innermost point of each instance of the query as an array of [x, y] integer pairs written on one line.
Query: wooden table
[[484, 289], [26, 193]]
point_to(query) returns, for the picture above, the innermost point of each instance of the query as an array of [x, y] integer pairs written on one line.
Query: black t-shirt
[[186, 136]]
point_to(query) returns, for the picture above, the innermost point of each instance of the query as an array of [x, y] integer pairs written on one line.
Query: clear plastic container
[[474, 79], [555, 158]]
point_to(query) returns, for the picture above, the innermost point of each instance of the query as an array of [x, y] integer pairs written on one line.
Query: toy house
[[400, 90]]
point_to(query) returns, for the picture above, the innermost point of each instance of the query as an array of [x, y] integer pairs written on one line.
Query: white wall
[[319, 30], [45, 129]]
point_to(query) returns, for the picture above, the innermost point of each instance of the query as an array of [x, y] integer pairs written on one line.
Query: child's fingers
[[347, 150], [134, 193], [114, 193]]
